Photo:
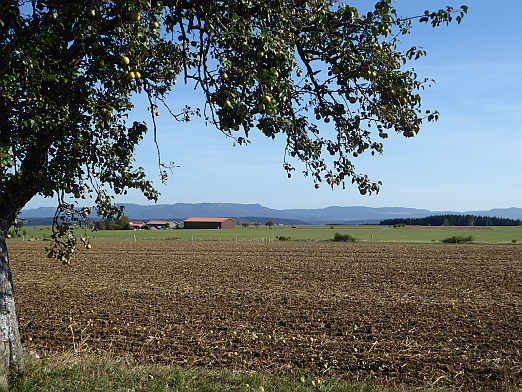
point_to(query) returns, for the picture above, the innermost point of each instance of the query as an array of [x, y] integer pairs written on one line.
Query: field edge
[[81, 372]]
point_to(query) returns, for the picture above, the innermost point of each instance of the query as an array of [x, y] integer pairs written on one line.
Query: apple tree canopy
[[330, 79]]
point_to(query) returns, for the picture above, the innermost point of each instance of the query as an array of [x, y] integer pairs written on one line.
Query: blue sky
[[469, 160]]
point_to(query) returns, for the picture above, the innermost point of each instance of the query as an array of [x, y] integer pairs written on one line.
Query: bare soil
[[421, 315]]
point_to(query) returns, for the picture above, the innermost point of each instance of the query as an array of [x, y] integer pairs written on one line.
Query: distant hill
[[353, 214], [48, 221], [244, 212], [40, 212]]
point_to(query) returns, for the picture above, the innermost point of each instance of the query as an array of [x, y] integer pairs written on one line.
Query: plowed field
[[422, 315]]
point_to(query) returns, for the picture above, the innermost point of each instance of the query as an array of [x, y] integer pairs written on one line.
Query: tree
[[70, 70], [123, 223], [100, 225], [270, 223]]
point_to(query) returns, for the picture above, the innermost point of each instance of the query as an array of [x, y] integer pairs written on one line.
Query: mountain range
[[259, 213]]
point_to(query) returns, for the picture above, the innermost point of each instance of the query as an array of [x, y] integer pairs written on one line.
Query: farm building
[[209, 223], [161, 224], [137, 224]]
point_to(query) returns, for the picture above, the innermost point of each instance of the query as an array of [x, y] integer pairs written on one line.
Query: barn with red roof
[[209, 223]]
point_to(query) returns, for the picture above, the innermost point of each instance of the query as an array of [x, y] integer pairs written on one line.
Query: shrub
[[338, 237], [283, 238], [457, 239]]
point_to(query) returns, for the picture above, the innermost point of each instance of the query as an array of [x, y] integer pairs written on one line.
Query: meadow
[[389, 315], [366, 233]]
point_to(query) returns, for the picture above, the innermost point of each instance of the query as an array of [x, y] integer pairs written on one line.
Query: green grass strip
[[375, 233], [103, 375]]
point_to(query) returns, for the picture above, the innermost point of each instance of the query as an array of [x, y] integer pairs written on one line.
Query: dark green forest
[[453, 220]]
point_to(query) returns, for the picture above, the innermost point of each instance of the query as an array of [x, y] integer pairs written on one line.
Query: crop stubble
[[415, 314]]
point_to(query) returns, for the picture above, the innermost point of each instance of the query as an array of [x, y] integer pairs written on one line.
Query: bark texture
[[11, 351], [14, 195]]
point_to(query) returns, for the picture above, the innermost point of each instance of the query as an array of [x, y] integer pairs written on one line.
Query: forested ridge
[[453, 220]]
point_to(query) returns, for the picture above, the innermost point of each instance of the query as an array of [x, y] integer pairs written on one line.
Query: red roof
[[207, 219], [159, 222]]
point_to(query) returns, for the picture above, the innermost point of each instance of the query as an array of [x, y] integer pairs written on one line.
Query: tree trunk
[[11, 352], [16, 194]]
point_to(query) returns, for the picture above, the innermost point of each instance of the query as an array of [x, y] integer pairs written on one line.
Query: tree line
[[453, 220], [121, 223]]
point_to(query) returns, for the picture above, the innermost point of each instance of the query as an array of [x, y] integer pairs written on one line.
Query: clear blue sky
[[469, 160]]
